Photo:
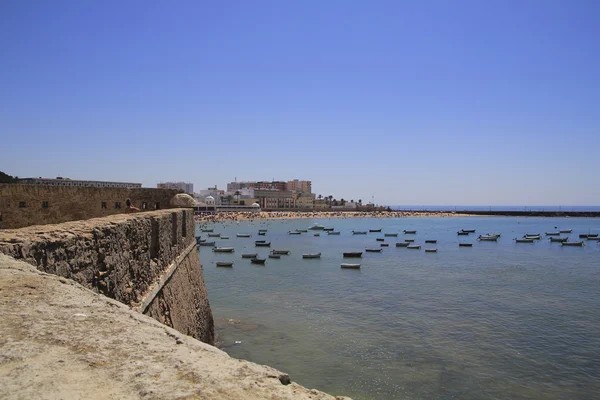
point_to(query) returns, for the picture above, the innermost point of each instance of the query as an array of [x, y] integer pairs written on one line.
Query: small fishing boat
[[431, 241], [566, 231], [311, 255], [317, 234], [258, 260], [488, 238], [286, 252], [373, 250], [402, 244], [380, 239], [409, 240], [350, 266], [224, 263], [359, 232], [262, 233], [390, 234], [557, 233], [597, 239], [294, 232], [223, 249], [276, 256], [414, 246], [250, 255], [559, 239], [200, 240], [430, 250], [206, 244], [524, 240], [207, 230], [225, 237], [532, 235], [572, 243], [461, 233], [409, 232], [243, 235], [468, 230], [302, 230], [259, 241], [375, 230], [327, 229], [263, 230], [355, 254], [333, 232], [465, 245], [262, 244], [316, 227], [214, 234], [384, 244], [592, 235]]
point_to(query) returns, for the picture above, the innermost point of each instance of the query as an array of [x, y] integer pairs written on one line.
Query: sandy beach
[[263, 215]]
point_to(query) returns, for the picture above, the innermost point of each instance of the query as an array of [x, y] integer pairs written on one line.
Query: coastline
[[282, 215]]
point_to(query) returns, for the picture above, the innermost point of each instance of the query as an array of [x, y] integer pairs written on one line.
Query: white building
[[185, 186], [212, 192]]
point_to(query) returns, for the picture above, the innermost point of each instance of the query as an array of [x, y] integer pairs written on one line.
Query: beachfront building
[[185, 186], [321, 204], [299, 186], [305, 200], [258, 185], [275, 199], [60, 181], [217, 194]]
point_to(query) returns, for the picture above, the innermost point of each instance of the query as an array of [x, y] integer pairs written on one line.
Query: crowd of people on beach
[[262, 215]]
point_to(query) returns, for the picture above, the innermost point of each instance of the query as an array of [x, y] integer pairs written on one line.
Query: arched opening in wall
[[157, 206], [144, 205]]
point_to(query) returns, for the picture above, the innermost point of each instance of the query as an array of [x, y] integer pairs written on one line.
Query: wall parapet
[[24, 205]]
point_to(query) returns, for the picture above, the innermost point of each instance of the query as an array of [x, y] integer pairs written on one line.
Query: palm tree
[[343, 201], [320, 197], [237, 193], [352, 201], [330, 198], [360, 202]]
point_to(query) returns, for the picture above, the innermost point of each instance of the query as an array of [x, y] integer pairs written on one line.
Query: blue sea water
[[495, 321], [497, 208]]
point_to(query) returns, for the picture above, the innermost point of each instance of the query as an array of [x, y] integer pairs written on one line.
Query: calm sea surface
[[495, 321]]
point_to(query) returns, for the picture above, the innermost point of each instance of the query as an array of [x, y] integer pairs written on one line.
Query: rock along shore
[[59, 340]]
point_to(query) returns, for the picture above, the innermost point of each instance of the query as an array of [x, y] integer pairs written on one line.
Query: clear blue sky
[[420, 102]]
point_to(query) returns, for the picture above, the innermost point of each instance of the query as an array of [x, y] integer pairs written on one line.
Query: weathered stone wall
[[25, 205], [179, 307], [145, 260]]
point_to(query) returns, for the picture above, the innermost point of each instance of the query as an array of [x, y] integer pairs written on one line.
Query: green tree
[[5, 178]]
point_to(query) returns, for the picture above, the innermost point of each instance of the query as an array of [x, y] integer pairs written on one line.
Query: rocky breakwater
[[145, 260], [59, 340]]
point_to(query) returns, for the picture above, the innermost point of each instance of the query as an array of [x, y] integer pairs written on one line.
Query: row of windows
[[45, 204], [90, 184], [23, 204]]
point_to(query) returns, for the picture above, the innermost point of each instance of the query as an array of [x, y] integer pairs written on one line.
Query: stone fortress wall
[[146, 260], [23, 205]]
